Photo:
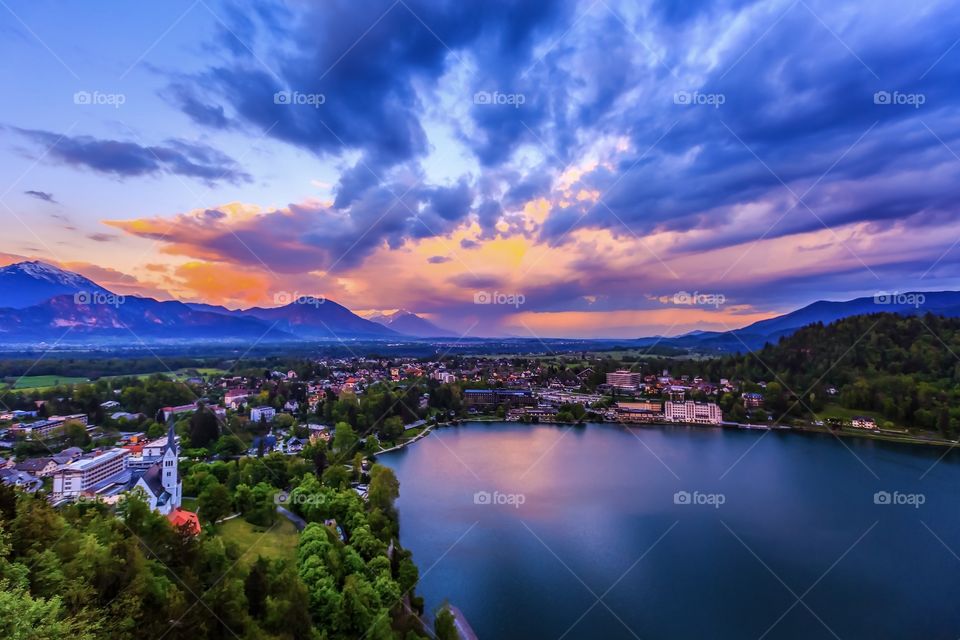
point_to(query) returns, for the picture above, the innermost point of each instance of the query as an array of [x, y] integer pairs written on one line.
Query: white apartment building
[[80, 476], [692, 412]]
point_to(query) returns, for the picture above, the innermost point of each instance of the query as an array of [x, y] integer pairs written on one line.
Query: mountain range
[[410, 324], [40, 302], [754, 336]]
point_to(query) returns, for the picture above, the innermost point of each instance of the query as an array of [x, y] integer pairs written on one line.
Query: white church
[[161, 484]]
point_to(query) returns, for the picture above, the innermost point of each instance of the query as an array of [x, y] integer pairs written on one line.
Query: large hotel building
[[84, 475], [624, 379]]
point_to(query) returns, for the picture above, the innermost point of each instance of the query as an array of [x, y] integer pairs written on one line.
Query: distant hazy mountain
[[754, 336], [127, 317], [25, 284], [319, 318], [410, 324], [41, 302]]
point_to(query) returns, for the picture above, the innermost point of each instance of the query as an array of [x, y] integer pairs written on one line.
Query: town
[[106, 438]]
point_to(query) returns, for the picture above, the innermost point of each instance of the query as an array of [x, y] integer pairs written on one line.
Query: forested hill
[[906, 368]]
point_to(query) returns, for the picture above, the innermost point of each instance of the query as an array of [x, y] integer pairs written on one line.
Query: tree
[[23, 617], [444, 626], [257, 504], [384, 488], [943, 422], [204, 427], [256, 587], [214, 502], [318, 454], [336, 476], [344, 438], [230, 446], [76, 434]]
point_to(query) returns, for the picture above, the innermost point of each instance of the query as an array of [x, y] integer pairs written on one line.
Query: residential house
[[40, 467], [266, 414], [22, 479]]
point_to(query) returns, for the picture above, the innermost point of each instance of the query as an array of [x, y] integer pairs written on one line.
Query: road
[[297, 521]]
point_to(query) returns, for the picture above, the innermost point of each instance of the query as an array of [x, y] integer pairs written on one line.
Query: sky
[[539, 169]]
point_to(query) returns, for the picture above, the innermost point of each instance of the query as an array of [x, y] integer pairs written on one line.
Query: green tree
[[344, 438], [23, 617], [384, 488], [230, 446], [204, 428], [214, 502], [444, 625]]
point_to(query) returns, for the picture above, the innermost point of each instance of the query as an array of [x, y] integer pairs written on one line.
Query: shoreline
[[904, 439]]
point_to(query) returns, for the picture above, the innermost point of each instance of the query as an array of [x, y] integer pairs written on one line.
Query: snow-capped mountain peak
[[25, 284]]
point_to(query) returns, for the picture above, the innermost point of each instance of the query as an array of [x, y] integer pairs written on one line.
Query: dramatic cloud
[[129, 159], [353, 79], [41, 195], [590, 158]]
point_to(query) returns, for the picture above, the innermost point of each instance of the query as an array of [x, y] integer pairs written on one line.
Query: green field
[[277, 541], [179, 374], [42, 382]]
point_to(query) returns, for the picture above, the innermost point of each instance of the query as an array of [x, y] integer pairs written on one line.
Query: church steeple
[[170, 473], [171, 437]]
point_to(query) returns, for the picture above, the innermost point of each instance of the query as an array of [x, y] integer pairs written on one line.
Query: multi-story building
[[236, 397], [167, 412], [752, 400], [83, 475], [566, 397], [692, 412], [624, 379], [495, 397], [50, 427], [643, 411], [145, 456]]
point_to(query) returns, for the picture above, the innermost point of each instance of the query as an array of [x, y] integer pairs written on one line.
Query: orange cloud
[[631, 323], [222, 284]]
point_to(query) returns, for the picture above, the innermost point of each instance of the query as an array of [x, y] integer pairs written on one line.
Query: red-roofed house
[[181, 517]]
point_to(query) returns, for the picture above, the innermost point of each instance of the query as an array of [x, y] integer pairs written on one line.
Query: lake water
[[587, 533]]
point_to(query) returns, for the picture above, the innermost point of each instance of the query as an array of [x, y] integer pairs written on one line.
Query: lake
[[542, 531]]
